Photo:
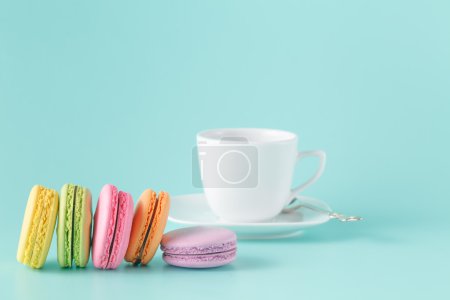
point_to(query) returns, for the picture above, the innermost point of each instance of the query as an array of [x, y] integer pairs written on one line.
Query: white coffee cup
[[247, 173]]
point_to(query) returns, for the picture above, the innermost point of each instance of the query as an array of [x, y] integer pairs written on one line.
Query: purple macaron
[[199, 247]]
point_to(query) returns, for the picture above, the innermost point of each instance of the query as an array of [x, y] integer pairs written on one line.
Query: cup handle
[[322, 158]]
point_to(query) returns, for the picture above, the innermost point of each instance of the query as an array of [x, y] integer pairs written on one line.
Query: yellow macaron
[[38, 226]]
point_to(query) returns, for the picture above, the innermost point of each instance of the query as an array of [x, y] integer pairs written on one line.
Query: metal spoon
[[331, 214]]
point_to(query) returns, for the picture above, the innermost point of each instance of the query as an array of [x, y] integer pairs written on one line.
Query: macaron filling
[[147, 234]]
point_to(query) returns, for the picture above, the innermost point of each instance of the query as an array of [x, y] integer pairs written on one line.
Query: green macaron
[[74, 226]]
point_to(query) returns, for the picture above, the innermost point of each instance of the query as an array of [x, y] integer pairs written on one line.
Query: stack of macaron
[[117, 234]]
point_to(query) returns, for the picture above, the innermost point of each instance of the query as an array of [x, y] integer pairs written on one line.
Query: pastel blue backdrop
[[96, 92]]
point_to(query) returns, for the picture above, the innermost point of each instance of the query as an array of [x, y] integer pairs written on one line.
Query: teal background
[[96, 92]]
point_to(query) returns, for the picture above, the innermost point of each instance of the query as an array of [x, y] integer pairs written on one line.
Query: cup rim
[[282, 136]]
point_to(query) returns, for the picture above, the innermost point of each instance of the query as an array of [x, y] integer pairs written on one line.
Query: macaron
[[149, 221], [38, 226], [199, 247], [74, 226], [112, 225]]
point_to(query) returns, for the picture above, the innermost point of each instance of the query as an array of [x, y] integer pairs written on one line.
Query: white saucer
[[193, 210]]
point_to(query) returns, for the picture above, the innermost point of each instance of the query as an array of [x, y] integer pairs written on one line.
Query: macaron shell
[[104, 222], [77, 225], [141, 221], [200, 260], [198, 240], [27, 223], [61, 228], [122, 237], [47, 228], [38, 226], [83, 243], [158, 226]]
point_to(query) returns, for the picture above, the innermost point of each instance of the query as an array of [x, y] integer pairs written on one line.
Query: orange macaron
[[149, 221]]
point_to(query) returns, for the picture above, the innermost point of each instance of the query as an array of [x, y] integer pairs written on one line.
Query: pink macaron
[[112, 225], [199, 247]]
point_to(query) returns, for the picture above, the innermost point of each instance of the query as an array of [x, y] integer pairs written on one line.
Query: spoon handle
[[331, 214]]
